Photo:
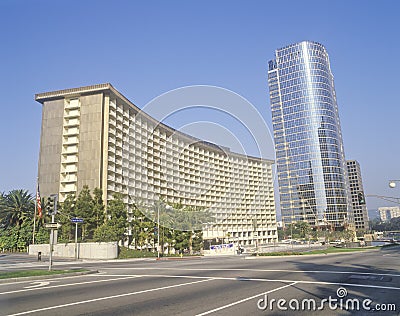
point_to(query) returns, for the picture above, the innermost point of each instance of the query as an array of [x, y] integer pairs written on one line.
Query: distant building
[[388, 212], [360, 212], [95, 136], [308, 139]]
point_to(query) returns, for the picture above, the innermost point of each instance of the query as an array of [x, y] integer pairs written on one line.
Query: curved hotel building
[[312, 176], [95, 136]]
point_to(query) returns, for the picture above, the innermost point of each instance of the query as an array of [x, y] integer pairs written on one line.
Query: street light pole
[[158, 231], [51, 244], [76, 241], [167, 207]]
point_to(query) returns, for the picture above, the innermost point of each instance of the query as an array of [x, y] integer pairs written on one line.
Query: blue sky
[[147, 48]]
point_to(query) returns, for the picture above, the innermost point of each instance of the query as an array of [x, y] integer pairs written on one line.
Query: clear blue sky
[[147, 48]]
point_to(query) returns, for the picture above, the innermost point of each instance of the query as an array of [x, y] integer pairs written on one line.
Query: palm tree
[[16, 207]]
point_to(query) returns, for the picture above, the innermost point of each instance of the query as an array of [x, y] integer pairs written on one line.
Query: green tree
[[281, 233], [181, 240], [115, 226], [298, 230], [304, 229], [9, 239], [140, 225], [98, 208], [347, 235], [16, 207], [187, 222], [66, 212], [197, 241], [16, 219], [84, 209], [42, 236], [105, 233], [24, 235], [393, 224], [91, 209], [145, 234]]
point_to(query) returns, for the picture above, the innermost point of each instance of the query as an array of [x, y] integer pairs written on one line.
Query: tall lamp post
[[168, 207], [255, 234], [158, 232]]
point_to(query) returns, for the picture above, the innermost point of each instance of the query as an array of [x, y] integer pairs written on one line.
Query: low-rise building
[[386, 213]]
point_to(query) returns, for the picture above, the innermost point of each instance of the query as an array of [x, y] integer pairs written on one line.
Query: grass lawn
[[316, 252], [278, 253], [125, 253], [338, 250], [28, 273]]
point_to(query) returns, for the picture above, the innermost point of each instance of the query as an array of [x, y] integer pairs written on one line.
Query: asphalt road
[[216, 286]]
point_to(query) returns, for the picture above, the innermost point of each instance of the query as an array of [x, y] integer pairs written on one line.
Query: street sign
[[77, 220], [52, 225]]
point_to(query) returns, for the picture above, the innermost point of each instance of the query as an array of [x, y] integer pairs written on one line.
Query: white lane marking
[[264, 280], [256, 270], [245, 299], [108, 297], [36, 284], [49, 278], [71, 284]]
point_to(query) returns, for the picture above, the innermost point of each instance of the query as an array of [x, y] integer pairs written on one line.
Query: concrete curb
[[45, 277], [116, 260], [178, 258], [141, 259]]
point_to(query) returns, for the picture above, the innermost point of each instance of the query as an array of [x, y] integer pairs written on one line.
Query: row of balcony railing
[[69, 157]]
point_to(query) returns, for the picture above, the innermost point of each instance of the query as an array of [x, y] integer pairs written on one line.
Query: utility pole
[[51, 244], [51, 208], [76, 220], [158, 231], [76, 241]]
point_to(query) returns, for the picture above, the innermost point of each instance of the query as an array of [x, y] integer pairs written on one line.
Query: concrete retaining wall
[[90, 250], [223, 249]]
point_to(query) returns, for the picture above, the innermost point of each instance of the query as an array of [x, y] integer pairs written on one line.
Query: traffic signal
[[51, 205], [361, 198]]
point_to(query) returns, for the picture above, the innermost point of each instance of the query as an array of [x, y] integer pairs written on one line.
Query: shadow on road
[[368, 283]]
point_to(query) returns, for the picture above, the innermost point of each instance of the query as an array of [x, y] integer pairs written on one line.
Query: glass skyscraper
[[309, 150]]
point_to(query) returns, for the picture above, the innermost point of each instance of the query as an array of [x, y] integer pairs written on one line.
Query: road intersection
[[216, 286]]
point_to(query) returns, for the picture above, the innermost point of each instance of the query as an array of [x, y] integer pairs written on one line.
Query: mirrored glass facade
[[308, 142]]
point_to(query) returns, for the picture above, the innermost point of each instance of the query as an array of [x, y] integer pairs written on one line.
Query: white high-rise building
[[95, 136]]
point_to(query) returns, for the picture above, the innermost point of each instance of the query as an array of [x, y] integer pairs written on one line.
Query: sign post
[[76, 220], [53, 226]]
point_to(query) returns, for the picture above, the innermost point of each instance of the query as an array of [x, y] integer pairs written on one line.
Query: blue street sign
[[77, 220]]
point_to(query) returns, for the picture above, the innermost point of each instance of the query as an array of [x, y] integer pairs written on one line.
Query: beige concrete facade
[[95, 136], [51, 146], [386, 213]]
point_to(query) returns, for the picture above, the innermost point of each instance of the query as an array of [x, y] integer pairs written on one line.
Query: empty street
[[367, 281]]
